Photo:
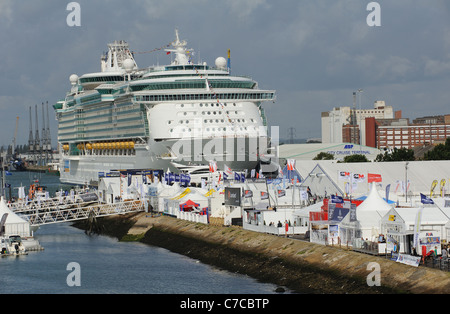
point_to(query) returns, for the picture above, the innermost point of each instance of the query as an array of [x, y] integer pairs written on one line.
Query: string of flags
[[183, 178], [153, 50]]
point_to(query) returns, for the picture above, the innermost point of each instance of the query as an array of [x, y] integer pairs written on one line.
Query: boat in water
[[12, 245], [180, 115]]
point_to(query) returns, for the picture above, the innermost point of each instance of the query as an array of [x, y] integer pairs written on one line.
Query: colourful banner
[[372, 177]]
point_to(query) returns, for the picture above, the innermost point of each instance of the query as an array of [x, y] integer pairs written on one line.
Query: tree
[[324, 156], [355, 158], [439, 152], [398, 154]]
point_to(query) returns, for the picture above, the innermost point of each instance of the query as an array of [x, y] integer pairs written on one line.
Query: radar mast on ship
[[180, 51], [118, 52]]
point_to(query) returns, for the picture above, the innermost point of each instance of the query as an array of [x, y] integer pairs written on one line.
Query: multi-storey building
[[346, 124], [402, 134], [382, 127]]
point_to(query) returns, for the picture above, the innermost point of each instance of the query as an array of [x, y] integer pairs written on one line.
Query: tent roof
[[431, 215], [374, 202], [421, 174], [12, 218], [372, 209], [189, 202]]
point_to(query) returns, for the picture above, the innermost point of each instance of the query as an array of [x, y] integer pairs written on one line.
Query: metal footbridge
[[64, 209]]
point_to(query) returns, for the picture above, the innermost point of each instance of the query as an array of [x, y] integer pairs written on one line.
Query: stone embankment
[[300, 266]]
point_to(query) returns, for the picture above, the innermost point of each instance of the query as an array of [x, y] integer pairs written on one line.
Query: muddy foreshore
[[300, 266]]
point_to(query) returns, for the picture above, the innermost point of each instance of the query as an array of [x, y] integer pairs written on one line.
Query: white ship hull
[[239, 154]]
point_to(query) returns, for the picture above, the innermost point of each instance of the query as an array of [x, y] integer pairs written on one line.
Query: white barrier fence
[[292, 230]]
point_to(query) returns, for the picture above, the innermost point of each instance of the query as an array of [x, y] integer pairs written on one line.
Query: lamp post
[[360, 121], [406, 181]]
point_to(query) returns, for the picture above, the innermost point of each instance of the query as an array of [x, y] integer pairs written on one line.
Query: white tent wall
[[400, 222], [420, 174], [21, 229], [14, 225]]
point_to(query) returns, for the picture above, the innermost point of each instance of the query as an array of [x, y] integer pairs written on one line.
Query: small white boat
[[13, 245]]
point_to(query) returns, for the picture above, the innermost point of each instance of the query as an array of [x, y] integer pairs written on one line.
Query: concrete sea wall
[[301, 266]]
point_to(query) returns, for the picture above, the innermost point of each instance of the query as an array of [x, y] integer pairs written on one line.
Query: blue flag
[[336, 199], [425, 200]]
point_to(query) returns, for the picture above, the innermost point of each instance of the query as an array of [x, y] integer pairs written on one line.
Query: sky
[[314, 54]]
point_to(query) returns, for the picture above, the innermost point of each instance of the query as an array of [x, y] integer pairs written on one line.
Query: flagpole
[[406, 182], [268, 194]]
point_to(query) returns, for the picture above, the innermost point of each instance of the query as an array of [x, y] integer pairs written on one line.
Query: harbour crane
[[14, 139]]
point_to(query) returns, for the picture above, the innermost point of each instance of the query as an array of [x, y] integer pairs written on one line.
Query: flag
[[388, 188], [168, 53], [442, 187], [398, 183], [248, 193], [237, 177], [281, 193], [264, 195], [344, 175], [212, 166], [280, 171], [425, 200], [290, 164], [225, 176], [358, 177], [243, 177], [372, 177], [227, 170], [336, 199], [252, 173], [303, 195], [417, 227]]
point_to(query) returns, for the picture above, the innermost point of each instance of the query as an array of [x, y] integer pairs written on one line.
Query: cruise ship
[[176, 117]]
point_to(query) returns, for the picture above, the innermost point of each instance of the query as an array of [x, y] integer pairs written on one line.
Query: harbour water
[[109, 266]]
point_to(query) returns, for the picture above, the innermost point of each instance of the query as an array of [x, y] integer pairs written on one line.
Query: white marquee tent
[[14, 224], [419, 174]]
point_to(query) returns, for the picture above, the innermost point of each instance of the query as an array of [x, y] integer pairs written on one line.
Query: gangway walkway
[[57, 210]]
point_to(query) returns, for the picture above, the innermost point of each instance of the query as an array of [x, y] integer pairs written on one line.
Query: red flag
[[168, 53], [212, 166], [291, 164], [371, 177]]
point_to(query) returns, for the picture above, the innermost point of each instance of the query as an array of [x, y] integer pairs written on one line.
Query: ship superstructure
[[159, 117]]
